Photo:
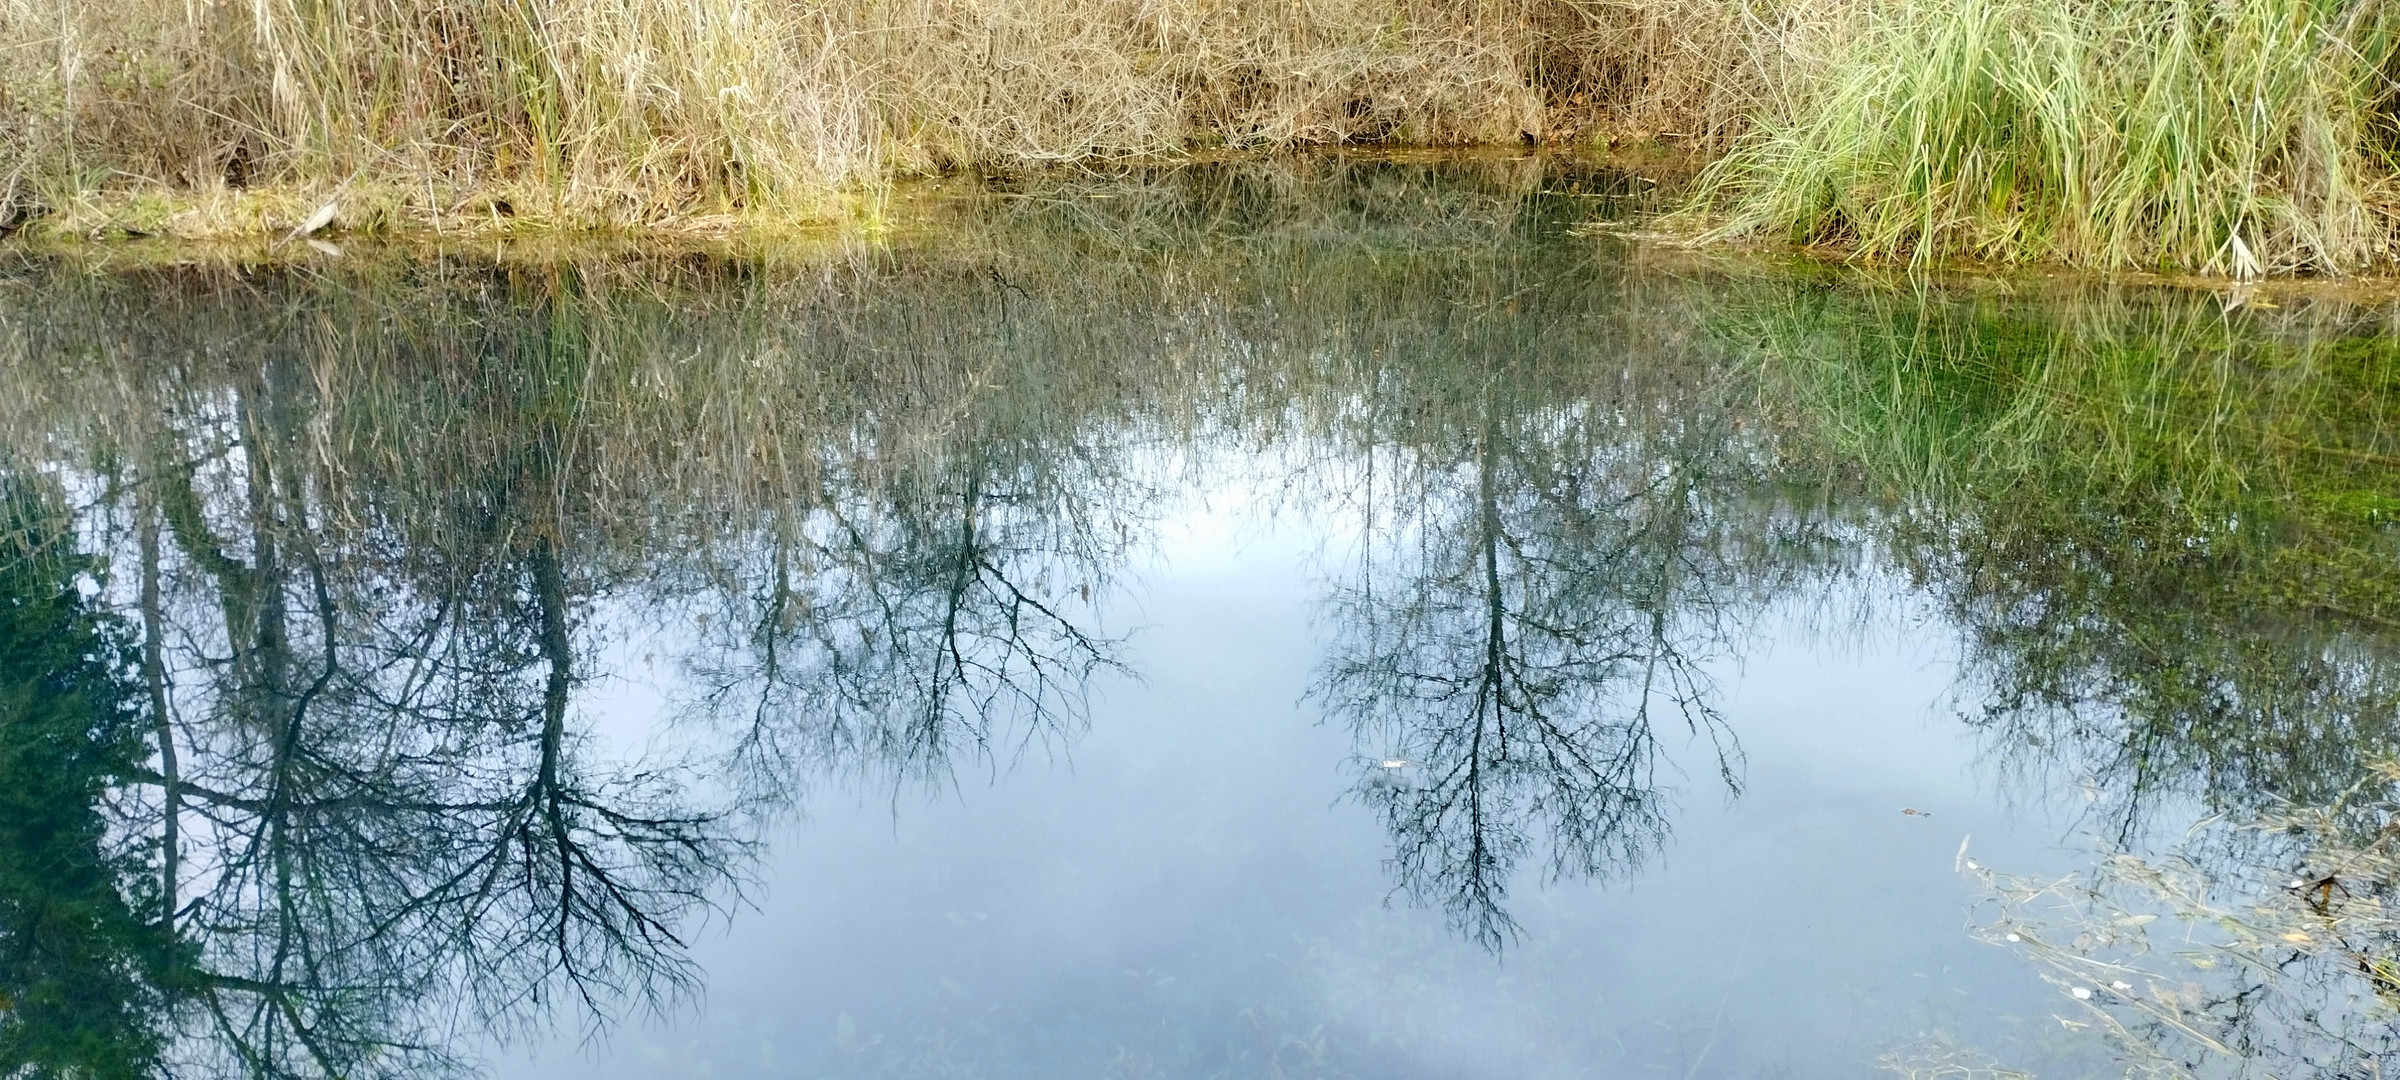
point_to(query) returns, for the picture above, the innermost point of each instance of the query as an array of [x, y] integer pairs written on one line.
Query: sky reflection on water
[[989, 654]]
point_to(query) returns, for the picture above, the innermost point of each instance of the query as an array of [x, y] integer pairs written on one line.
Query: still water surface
[[1339, 618]]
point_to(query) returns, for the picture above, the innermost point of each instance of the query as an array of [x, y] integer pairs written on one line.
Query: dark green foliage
[[75, 999]]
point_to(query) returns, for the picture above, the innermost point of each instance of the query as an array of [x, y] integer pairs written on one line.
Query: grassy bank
[[2235, 138], [2240, 138]]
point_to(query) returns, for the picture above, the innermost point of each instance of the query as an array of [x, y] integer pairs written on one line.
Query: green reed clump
[[2238, 137]]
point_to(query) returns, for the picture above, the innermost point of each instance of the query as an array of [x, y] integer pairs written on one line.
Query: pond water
[[1340, 617]]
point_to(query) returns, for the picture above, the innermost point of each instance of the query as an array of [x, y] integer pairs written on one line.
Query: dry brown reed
[[634, 111]]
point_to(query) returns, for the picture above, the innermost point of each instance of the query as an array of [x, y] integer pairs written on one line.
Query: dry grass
[[2229, 138], [627, 112]]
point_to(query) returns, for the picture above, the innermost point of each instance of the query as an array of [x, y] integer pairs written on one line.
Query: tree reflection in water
[[302, 782], [1551, 566], [82, 925], [374, 562], [378, 822], [902, 630], [2164, 534]]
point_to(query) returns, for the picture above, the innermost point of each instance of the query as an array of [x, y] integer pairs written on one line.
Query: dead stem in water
[[2267, 947]]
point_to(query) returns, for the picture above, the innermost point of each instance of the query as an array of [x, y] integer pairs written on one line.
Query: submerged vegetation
[[2265, 945], [2162, 529], [2236, 138]]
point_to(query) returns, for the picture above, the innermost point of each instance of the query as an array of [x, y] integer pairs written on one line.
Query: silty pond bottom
[[1335, 618]]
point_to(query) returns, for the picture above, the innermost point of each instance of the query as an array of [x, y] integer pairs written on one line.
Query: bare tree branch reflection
[[380, 827], [2159, 531], [1539, 589], [369, 627], [902, 627]]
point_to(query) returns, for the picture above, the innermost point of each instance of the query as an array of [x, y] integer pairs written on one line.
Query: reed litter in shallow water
[[2270, 946]]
